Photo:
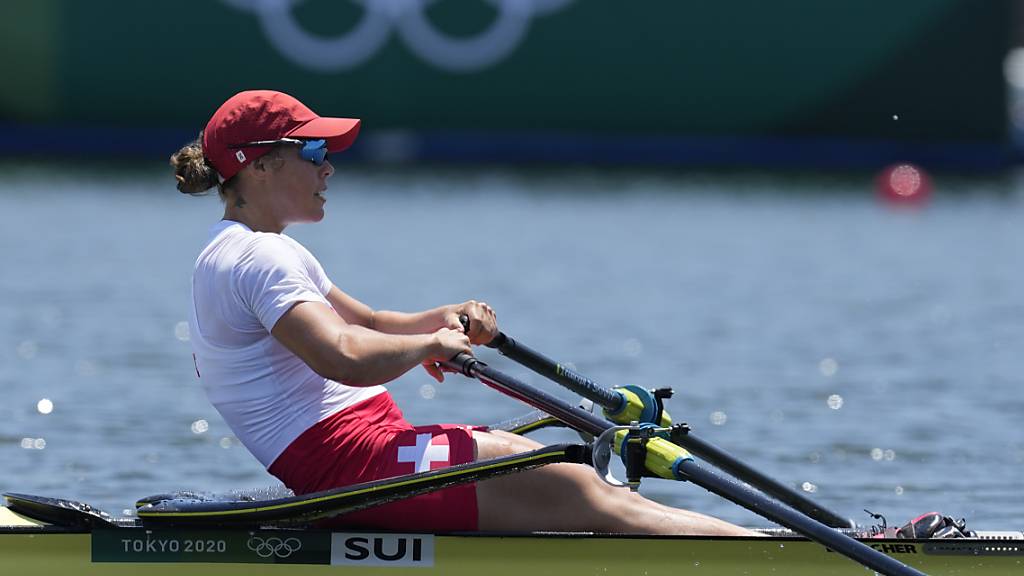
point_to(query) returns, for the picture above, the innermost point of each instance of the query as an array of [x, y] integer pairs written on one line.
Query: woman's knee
[[490, 445]]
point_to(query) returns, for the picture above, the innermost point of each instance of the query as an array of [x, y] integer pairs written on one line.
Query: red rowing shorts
[[371, 440]]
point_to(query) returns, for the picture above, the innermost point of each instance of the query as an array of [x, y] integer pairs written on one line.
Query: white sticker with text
[[400, 550]]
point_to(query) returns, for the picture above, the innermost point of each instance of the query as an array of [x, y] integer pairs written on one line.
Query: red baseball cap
[[256, 115]]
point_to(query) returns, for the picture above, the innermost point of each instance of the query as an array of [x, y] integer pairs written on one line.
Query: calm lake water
[[870, 356]]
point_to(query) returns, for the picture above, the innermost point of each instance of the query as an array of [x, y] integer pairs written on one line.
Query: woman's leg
[[571, 497]]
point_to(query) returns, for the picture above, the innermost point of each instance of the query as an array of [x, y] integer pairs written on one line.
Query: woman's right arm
[[357, 356]]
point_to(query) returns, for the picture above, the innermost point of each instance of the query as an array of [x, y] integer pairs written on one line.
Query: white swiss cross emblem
[[424, 453]]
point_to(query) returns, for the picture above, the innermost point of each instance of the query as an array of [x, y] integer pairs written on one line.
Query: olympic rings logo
[[273, 546], [409, 19]]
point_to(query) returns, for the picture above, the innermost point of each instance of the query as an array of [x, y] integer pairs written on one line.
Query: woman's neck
[[239, 210]]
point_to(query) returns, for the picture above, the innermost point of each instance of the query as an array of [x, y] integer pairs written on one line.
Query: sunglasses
[[314, 151]]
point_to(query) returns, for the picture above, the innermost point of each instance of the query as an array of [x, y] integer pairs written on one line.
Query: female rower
[[295, 365]]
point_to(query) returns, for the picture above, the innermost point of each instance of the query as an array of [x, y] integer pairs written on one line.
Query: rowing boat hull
[[34, 549]]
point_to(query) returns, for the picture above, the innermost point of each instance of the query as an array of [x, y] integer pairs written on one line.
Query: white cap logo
[[240, 155]]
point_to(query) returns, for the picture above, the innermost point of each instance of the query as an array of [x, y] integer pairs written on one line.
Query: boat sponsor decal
[[950, 547], [888, 548], [958, 547], [396, 550], [895, 548], [213, 546]]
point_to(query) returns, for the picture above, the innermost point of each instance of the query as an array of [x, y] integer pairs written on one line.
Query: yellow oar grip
[[663, 457], [637, 408]]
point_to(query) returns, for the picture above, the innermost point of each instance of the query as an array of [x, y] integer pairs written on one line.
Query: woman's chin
[[316, 213], [309, 218]]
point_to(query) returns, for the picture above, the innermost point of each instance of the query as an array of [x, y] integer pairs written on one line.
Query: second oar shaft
[[613, 401], [790, 518], [763, 482], [694, 472]]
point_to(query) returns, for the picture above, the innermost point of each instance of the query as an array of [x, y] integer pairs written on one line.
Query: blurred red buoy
[[904, 184]]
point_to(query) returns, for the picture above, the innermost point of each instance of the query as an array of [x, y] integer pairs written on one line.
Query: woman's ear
[[266, 164]]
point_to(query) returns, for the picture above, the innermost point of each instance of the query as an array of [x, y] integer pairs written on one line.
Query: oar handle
[[498, 341], [463, 364]]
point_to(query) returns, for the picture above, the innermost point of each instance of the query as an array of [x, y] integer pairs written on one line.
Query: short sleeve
[[272, 277], [316, 270]]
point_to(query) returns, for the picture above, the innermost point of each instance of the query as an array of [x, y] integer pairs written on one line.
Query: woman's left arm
[[483, 324]]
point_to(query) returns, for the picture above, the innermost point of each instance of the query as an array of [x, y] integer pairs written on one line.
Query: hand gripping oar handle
[[667, 460], [598, 394]]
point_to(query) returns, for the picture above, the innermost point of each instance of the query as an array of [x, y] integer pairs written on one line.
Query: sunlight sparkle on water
[[427, 391], [44, 406], [828, 367], [809, 487], [877, 454], [718, 418], [200, 426], [835, 401], [181, 331], [33, 443]]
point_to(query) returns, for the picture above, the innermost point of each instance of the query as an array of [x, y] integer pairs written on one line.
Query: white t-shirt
[[244, 281]]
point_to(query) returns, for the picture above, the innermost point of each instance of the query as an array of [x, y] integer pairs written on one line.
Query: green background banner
[[911, 71]]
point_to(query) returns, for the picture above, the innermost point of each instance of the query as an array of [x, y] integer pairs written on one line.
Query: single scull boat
[[263, 533]]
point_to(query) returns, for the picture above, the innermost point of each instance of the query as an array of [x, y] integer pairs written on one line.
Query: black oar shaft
[[549, 368], [814, 530], [763, 482], [726, 488], [602, 396], [573, 417]]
